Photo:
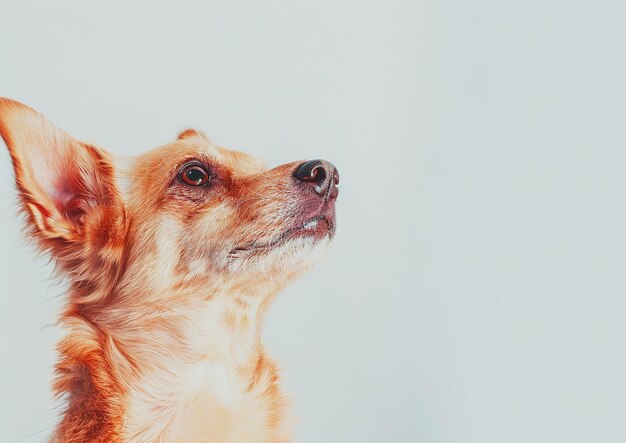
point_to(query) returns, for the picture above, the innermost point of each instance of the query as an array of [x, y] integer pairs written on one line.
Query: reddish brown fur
[[143, 320]]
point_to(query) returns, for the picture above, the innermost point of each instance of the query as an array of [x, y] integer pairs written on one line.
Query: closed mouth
[[317, 227]]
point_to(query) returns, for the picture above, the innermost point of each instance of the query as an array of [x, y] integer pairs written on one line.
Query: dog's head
[[187, 217]]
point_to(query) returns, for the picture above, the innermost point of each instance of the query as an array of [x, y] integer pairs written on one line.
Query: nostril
[[311, 171], [318, 175]]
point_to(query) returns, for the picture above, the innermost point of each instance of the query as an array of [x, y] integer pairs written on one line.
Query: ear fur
[[66, 187]]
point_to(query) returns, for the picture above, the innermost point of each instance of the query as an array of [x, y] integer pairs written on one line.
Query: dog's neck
[[198, 374]]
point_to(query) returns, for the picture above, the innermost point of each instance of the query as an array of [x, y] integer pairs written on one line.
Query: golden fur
[[168, 284]]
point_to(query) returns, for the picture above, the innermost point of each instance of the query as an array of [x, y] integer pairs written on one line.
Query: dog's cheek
[[208, 237]]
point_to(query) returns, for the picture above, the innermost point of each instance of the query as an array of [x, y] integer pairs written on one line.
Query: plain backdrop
[[476, 288]]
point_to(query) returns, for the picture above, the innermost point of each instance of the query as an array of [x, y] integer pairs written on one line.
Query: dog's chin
[[317, 228], [294, 247]]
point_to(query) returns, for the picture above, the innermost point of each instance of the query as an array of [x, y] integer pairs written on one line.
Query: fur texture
[[168, 282]]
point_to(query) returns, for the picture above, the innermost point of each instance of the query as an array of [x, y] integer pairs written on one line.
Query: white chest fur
[[217, 396]]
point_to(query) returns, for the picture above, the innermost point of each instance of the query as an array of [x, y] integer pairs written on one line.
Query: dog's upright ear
[[67, 188], [191, 134]]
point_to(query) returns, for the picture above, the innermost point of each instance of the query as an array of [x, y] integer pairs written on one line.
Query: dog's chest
[[217, 398], [211, 403], [221, 408]]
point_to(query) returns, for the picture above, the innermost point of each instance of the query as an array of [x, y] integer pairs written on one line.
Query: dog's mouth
[[317, 227]]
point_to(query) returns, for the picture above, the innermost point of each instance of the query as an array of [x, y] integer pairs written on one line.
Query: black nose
[[321, 175]]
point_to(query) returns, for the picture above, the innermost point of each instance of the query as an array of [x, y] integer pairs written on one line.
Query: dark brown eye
[[193, 174]]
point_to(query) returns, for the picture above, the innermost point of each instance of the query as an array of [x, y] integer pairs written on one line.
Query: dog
[[172, 258]]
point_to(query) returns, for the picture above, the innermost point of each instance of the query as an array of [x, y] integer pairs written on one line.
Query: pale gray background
[[475, 291]]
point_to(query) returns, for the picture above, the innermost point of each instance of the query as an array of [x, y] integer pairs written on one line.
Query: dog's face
[[223, 214], [189, 217]]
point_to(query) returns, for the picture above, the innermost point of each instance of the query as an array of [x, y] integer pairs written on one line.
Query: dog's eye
[[193, 174]]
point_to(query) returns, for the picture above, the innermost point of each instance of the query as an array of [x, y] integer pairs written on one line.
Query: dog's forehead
[[170, 156]]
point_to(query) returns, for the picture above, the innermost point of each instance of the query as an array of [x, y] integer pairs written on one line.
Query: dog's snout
[[321, 176]]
